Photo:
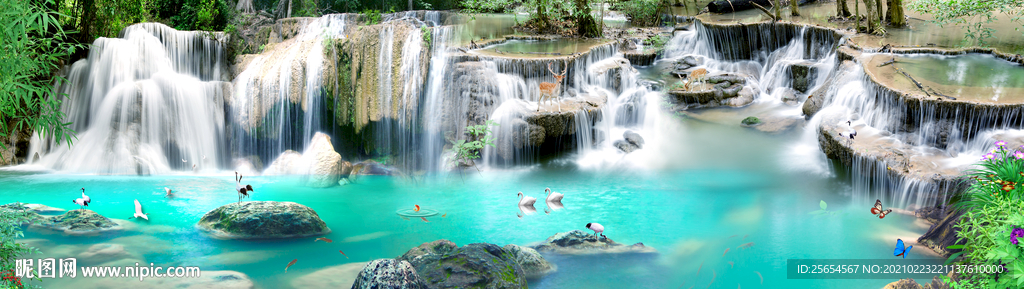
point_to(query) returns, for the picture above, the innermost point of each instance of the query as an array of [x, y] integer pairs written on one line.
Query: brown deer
[[549, 91], [695, 76]]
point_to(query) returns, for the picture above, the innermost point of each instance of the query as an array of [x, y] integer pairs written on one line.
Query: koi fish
[[745, 237], [698, 268], [747, 245], [730, 237], [343, 253], [417, 208], [404, 218], [445, 215], [290, 264], [324, 239], [726, 251], [424, 220], [731, 265], [759, 275], [713, 276]]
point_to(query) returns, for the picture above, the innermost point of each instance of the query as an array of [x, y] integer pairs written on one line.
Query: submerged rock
[[388, 273], [717, 90], [263, 220], [633, 138], [478, 265], [578, 242], [534, 265], [81, 221]]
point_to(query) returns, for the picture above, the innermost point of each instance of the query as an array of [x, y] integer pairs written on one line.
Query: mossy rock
[[263, 220], [76, 222], [479, 265], [751, 120]]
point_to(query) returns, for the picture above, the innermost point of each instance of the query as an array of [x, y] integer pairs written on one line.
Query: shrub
[[998, 177], [10, 251], [643, 12], [751, 120], [466, 151], [986, 232]]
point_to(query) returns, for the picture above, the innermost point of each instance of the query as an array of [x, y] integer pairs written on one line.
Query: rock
[[633, 138], [323, 162], [803, 75], [388, 273], [931, 214], [789, 96], [943, 234], [81, 221], [774, 124], [534, 265], [625, 146], [344, 181], [263, 220], [682, 67], [478, 265], [578, 242], [641, 58], [819, 96], [287, 163], [346, 168], [371, 167], [750, 120], [36, 208], [627, 45]]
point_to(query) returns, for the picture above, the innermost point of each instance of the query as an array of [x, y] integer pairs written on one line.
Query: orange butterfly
[[877, 210]]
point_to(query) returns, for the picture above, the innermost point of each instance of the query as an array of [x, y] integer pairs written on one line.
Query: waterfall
[[147, 102]]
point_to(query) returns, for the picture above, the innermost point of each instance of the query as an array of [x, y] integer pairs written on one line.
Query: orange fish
[[726, 251], [698, 268], [730, 237], [324, 239], [747, 245], [759, 275], [745, 237], [290, 264], [731, 264], [424, 219], [445, 214], [713, 276], [404, 218], [417, 208], [343, 253]]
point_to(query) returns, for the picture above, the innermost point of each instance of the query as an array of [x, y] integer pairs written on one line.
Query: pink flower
[[1001, 143], [1018, 154], [988, 157]]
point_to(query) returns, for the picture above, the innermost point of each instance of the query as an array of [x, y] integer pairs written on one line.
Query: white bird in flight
[[138, 211]]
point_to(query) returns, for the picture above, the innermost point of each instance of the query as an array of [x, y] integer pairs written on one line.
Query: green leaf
[[955, 247], [953, 257], [823, 205]]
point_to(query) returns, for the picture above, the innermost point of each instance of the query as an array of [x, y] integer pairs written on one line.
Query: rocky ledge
[[717, 90], [578, 242], [911, 284], [442, 264], [943, 232], [76, 222], [388, 273], [263, 220]]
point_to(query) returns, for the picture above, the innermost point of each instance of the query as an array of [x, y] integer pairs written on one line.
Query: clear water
[[541, 48], [978, 77], [724, 180]]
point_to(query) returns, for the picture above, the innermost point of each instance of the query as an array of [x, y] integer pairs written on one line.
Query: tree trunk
[[856, 15], [585, 24], [896, 17], [879, 11], [870, 4], [842, 9], [794, 8], [778, 8]]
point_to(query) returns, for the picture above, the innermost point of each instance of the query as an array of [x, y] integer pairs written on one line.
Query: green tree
[[972, 14], [33, 47], [10, 230], [895, 14]]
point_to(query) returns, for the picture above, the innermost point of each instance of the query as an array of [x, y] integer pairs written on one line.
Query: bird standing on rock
[[83, 201], [850, 133], [597, 228]]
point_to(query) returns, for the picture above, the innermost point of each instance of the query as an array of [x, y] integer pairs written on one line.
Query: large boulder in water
[[287, 163], [77, 222], [323, 162], [631, 142], [263, 220], [578, 242], [534, 265], [388, 273], [803, 74], [478, 265]]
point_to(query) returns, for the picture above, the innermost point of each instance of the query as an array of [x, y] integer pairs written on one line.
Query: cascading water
[[148, 102]]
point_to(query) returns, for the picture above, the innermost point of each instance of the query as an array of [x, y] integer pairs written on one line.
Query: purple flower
[[1001, 143], [1016, 233], [1018, 154], [988, 157]]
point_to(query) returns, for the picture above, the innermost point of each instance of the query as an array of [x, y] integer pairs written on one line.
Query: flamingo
[[242, 191], [597, 228], [138, 211], [553, 196], [526, 201]]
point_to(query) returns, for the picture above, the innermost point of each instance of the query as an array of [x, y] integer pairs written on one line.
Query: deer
[[695, 76], [549, 91]]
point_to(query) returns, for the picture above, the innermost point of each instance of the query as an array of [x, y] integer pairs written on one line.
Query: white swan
[[526, 201], [138, 211], [553, 196]]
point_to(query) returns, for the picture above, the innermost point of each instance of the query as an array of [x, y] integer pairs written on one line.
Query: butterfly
[[900, 251], [877, 210]]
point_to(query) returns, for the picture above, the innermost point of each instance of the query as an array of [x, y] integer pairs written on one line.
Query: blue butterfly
[[900, 251]]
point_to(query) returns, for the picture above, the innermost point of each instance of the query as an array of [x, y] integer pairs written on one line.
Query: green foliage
[[985, 231], [427, 35], [972, 14], [657, 41], [33, 46], [643, 12], [751, 120], [488, 6], [207, 15], [465, 152], [372, 16], [824, 210], [10, 230], [997, 177]]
